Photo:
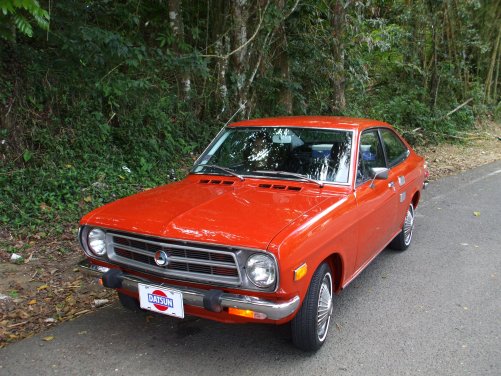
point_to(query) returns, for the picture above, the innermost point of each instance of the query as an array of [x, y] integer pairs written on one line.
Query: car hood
[[241, 214]]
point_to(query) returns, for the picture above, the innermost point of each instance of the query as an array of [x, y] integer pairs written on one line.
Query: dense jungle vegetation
[[99, 99]]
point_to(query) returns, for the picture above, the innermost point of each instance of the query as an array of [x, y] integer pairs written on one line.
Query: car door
[[375, 200], [396, 153]]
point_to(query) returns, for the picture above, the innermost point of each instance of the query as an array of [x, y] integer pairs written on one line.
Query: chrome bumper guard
[[212, 300]]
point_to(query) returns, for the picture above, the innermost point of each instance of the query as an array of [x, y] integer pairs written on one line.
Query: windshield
[[319, 154]]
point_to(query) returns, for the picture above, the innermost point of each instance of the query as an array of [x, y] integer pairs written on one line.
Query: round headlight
[[97, 241], [261, 270]]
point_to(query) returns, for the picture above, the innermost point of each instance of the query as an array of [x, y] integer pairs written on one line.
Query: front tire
[[311, 324], [403, 240]]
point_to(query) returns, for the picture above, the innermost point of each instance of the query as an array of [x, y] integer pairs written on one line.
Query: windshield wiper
[[286, 173], [225, 169]]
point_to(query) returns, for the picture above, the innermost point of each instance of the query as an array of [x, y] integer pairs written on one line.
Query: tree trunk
[[496, 79], [338, 21], [220, 12], [14, 130], [240, 59], [492, 65], [177, 26], [435, 80], [222, 47], [282, 65]]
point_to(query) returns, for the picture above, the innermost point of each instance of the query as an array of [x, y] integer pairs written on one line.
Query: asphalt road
[[432, 310]]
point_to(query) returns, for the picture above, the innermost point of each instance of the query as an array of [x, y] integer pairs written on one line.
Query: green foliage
[[16, 13], [102, 94]]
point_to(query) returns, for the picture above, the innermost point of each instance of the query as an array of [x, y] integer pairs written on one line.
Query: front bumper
[[211, 300]]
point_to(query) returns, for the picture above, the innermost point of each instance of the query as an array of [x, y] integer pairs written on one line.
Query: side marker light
[[300, 272]]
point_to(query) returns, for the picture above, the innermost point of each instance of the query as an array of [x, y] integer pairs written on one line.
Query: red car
[[275, 217]]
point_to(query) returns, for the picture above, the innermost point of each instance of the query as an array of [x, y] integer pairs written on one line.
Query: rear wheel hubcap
[[409, 225]]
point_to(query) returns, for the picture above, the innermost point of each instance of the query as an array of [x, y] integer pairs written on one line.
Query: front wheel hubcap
[[324, 310]]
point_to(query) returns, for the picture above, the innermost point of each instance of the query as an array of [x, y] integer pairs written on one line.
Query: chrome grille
[[186, 261]]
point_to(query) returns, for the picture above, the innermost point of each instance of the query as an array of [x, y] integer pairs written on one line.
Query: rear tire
[[403, 240], [311, 324], [129, 302]]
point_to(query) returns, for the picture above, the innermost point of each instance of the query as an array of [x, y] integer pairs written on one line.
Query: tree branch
[[248, 40], [458, 107]]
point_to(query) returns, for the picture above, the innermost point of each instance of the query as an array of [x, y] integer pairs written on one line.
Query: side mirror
[[380, 173]]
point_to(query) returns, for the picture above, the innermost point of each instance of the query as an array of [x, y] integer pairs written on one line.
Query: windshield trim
[[221, 133], [299, 180]]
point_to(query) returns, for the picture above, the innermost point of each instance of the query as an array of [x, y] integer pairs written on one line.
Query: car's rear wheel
[[311, 324], [403, 240], [129, 302]]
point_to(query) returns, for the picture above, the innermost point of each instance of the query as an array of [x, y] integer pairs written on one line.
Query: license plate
[[161, 300]]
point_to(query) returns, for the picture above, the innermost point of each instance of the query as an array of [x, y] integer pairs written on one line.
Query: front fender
[[328, 232]]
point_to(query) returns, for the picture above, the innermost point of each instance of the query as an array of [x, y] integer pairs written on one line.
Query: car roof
[[339, 122]]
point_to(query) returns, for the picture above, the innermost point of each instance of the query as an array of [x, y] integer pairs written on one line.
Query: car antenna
[[240, 108]]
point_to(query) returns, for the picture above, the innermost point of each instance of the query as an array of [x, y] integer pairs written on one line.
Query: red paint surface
[[346, 226]]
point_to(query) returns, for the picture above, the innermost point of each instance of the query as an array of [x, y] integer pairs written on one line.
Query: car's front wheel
[[403, 240], [311, 324]]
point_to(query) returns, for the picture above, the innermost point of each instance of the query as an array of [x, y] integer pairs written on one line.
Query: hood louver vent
[[216, 181], [280, 187]]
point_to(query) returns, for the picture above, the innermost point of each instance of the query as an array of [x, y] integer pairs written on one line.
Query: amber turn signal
[[246, 313], [300, 272]]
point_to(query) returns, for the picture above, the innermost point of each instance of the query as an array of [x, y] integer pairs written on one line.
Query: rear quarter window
[[396, 151]]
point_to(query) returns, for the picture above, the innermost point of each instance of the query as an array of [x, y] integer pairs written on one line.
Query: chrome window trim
[[375, 128], [350, 172], [216, 137], [405, 154]]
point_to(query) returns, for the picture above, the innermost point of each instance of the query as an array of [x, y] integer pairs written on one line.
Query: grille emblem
[[161, 258]]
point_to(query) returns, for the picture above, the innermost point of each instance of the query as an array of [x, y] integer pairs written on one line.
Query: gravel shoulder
[[472, 150]]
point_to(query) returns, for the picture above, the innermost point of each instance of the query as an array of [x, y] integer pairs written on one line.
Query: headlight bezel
[[266, 257], [99, 248], [84, 234]]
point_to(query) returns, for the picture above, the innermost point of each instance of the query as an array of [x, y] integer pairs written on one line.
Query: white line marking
[[494, 173]]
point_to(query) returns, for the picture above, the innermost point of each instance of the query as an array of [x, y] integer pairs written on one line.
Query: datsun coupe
[[276, 216]]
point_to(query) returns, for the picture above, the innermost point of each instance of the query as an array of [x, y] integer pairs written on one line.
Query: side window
[[370, 155], [395, 149]]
